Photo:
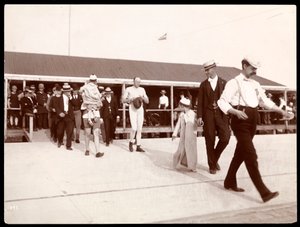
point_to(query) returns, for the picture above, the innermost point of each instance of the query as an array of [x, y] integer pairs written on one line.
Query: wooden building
[[24, 69]]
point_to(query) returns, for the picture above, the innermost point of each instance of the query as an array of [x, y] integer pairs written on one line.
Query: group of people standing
[[221, 104]]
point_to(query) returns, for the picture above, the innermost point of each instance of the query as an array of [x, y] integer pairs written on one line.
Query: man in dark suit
[[109, 112], [28, 106], [76, 103], [212, 117], [65, 116], [42, 112]]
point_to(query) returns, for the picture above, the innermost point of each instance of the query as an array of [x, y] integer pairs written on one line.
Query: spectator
[[42, 112], [28, 106], [13, 102], [163, 104], [76, 103]]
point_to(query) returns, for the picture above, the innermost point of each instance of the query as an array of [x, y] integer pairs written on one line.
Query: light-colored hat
[[101, 88], [66, 87], [32, 86], [163, 92], [209, 64], [252, 61], [93, 77], [108, 90], [184, 101]]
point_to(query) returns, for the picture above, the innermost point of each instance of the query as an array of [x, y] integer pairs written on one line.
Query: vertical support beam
[[24, 85], [30, 127], [172, 107], [124, 107], [285, 98], [5, 108]]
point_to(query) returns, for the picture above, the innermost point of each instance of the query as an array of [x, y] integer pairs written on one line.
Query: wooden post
[[5, 108], [24, 85], [286, 122], [30, 127], [172, 107], [124, 107]]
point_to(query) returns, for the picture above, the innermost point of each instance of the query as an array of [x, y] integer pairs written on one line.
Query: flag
[[164, 37]]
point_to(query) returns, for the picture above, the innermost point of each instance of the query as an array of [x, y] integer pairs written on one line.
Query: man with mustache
[[240, 98]]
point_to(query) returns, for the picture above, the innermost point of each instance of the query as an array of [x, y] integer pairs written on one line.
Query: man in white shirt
[[240, 98], [132, 95], [163, 104], [211, 117]]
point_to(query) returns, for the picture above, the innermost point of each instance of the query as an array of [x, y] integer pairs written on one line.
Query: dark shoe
[[212, 171], [69, 148], [218, 167], [236, 189], [59, 144], [87, 152], [270, 196], [99, 154], [77, 141], [107, 144], [54, 140], [139, 149], [130, 147]]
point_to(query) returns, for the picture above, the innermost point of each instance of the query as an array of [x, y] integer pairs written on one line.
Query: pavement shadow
[[164, 160]]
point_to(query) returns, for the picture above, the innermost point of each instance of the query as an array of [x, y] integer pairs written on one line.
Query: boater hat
[[66, 87], [210, 64]]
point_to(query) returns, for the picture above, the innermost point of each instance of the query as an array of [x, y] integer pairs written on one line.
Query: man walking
[[109, 112], [209, 114], [65, 116], [241, 98], [91, 115], [135, 96]]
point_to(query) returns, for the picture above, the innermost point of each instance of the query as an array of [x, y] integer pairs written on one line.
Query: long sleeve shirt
[[245, 92]]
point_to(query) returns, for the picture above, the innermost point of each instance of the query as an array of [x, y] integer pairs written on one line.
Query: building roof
[[73, 66]]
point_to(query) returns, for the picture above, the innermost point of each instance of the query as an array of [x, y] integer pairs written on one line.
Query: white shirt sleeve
[[264, 101], [229, 91], [167, 102], [145, 96], [125, 96]]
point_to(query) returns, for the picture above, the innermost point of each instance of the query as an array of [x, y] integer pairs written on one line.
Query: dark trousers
[[110, 128], [215, 121], [42, 120], [65, 124], [53, 128], [244, 131], [163, 118]]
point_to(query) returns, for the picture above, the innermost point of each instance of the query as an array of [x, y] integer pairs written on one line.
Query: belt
[[244, 108]]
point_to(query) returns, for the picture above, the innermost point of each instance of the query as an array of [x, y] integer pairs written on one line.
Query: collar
[[214, 79], [245, 78]]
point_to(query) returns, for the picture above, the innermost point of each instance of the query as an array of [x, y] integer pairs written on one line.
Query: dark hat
[[58, 87], [27, 90], [210, 64], [75, 87], [163, 92]]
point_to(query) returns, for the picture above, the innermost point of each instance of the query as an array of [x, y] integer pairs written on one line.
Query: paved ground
[[46, 184]]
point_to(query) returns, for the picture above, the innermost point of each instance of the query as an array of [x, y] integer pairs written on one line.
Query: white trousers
[[136, 120]]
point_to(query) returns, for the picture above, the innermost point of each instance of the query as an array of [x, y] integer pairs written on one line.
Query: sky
[[195, 34]]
